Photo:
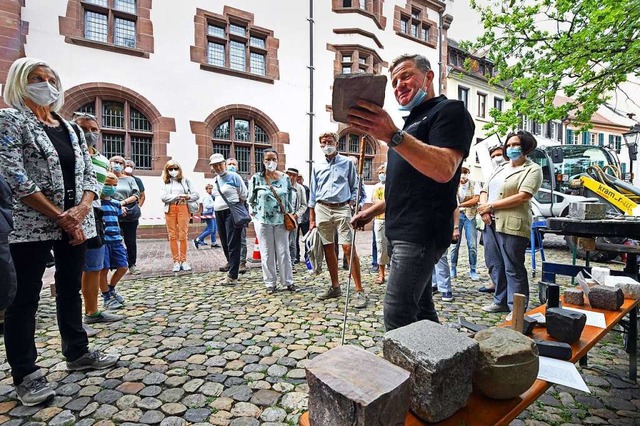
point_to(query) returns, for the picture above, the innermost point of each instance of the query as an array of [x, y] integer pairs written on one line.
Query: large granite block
[[630, 287], [441, 362], [587, 210], [607, 298], [350, 386], [574, 296], [565, 325]]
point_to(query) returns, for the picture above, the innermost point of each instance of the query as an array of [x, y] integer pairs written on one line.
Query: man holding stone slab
[[423, 171]]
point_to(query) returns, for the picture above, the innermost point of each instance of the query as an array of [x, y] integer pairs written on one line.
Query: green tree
[[581, 48]]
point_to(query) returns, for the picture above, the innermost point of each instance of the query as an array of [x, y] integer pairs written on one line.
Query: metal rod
[[363, 144], [311, 70]]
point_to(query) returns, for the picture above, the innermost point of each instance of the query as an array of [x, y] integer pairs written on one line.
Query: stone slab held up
[[441, 361], [350, 386]]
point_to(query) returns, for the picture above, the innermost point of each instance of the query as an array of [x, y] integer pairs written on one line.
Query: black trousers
[[7, 273], [230, 237], [129, 231], [20, 318]]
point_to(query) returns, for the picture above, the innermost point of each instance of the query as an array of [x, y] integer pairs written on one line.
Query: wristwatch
[[397, 138]]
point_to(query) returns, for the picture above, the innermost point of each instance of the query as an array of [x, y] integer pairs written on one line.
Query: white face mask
[[173, 173], [42, 93], [329, 149], [497, 161], [382, 177], [128, 170], [271, 165]]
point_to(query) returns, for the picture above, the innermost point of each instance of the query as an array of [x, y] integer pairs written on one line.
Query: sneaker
[[34, 389], [293, 288], [224, 268], [110, 302], [117, 295], [474, 275], [447, 296], [374, 269], [296, 261], [101, 317], [186, 266], [90, 330], [230, 281], [331, 293], [485, 289], [271, 289], [176, 267], [92, 360], [243, 268], [495, 308], [359, 300], [454, 272], [434, 289], [216, 245], [196, 243], [509, 317], [133, 270]]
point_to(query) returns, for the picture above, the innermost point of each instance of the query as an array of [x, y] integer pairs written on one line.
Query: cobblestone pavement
[[195, 352]]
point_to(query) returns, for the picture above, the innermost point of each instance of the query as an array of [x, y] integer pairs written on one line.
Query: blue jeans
[[441, 275], [504, 256], [409, 298], [374, 249], [468, 228], [210, 229]]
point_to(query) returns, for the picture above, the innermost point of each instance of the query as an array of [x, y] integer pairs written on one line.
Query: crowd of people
[[59, 194]]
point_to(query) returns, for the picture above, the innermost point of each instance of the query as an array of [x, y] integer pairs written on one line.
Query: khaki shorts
[[330, 219]]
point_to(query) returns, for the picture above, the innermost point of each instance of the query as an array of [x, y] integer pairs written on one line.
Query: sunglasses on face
[[172, 168]]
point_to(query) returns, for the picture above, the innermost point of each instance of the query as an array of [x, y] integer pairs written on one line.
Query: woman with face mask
[[270, 192], [505, 208], [128, 194], [177, 192], [45, 161]]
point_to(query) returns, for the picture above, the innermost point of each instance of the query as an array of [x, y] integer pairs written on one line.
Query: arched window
[[242, 138], [125, 131], [349, 144]]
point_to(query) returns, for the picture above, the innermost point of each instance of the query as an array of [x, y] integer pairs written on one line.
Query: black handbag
[[239, 211], [133, 212], [98, 240]]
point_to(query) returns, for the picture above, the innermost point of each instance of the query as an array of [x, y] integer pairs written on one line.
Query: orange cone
[[255, 257]]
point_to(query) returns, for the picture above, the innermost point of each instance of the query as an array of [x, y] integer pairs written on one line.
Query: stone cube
[[574, 296], [630, 287], [607, 298], [350, 386], [587, 210], [565, 325], [441, 362]]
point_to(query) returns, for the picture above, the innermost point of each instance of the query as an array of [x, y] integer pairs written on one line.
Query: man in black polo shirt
[[423, 171]]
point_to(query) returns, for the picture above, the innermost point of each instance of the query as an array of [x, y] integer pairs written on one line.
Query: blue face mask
[[514, 153], [417, 99], [232, 169], [116, 167], [108, 190]]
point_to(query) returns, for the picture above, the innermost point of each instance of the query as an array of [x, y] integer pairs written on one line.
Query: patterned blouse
[[30, 163], [266, 209]]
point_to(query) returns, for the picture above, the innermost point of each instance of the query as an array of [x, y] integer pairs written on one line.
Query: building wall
[[184, 96]]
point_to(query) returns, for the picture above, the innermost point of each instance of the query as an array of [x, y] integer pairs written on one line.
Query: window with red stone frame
[[369, 8], [122, 26], [412, 22], [231, 44], [352, 59]]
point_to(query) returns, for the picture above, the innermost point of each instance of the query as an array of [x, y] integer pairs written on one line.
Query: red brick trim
[[204, 129], [13, 36], [71, 26], [374, 10], [229, 15], [82, 94], [399, 12], [361, 32]]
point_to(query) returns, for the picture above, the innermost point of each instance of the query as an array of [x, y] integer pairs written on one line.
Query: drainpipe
[[311, 112], [440, 65], [444, 25]]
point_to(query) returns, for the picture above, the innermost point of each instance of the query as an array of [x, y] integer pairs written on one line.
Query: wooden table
[[483, 411]]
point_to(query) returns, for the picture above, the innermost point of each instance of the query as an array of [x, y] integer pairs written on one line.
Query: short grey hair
[[15, 90], [331, 135], [422, 63]]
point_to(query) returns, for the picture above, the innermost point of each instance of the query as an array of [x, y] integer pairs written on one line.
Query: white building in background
[[184, 79]]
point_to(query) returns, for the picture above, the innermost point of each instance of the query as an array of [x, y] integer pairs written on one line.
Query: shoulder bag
[[239, 212], [192, 205], [98, 240], [289, 220]]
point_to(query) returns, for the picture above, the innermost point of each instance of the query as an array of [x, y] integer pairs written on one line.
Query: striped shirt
[[110, 211], [100, 167]]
